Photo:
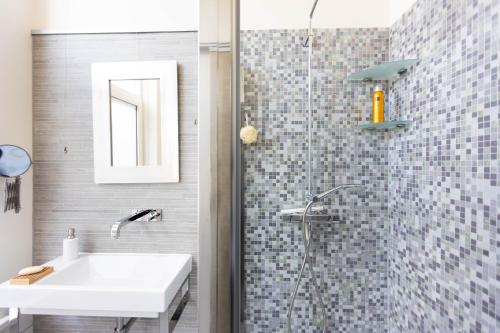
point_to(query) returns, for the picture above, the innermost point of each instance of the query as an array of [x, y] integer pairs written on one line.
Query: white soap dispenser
[[70, 246]]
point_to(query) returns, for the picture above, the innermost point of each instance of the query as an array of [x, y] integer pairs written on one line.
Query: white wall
[[178, 15], [16, 128], [294, 14], [398, 8], [115, 15]]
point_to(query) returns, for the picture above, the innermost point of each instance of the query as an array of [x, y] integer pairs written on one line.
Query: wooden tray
[[31, 278]]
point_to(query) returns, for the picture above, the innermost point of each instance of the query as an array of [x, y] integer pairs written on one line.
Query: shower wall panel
[[350, 254], [444, 175]]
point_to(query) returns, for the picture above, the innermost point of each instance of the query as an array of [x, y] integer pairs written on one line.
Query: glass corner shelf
[[386, 125], [384, 71]]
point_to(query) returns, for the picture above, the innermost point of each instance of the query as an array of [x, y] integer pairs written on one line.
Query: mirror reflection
[[135, 123]]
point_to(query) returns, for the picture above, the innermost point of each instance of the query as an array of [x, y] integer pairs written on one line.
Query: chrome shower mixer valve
[[306, 237]]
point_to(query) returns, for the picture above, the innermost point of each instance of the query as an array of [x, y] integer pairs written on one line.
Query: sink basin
[[118, 285]]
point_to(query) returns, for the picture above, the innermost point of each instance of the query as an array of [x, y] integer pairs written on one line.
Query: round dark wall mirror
[[14, 161]]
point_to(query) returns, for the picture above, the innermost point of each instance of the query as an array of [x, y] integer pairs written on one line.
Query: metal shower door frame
[[236, 176]]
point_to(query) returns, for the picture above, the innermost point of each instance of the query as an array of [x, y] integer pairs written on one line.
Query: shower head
[[335, 189], [313, 9]]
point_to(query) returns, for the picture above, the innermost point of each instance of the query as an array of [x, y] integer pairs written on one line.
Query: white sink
[[116, 285]]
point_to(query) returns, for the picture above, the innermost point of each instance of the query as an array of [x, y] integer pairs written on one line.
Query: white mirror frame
[[166, 72]]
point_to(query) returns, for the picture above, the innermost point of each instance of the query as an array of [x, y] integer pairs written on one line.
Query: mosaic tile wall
[[417, 252], [444, 173], [350, 254]]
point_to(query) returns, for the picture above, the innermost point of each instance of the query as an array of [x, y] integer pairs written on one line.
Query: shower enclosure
[[414, 250], [328, 271]]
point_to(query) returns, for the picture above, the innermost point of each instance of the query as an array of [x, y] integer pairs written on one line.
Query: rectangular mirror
[[135, 122]]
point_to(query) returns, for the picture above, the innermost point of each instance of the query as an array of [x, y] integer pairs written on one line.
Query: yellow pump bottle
[[378, 101]]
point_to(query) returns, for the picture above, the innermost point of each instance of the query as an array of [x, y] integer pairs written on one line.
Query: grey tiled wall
[[64, 190], [349, 255], [418, 252], [444, 172]]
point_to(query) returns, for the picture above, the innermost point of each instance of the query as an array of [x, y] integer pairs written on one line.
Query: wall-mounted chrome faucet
[[139, 215]]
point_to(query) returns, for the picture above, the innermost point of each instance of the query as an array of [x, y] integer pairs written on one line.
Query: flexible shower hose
[[306, 237]]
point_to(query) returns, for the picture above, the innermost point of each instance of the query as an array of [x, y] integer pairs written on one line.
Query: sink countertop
[[103, 284]]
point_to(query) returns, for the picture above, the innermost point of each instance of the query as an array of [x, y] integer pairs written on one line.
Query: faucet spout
[[144, 215]]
